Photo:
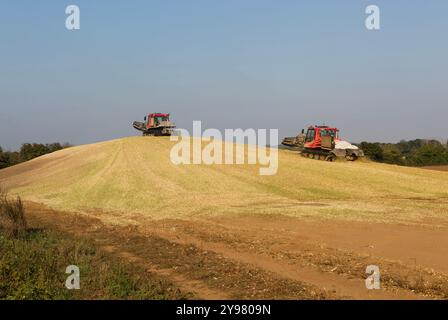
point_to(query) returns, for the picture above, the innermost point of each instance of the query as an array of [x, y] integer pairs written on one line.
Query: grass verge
[[33, 267], [33, 263]]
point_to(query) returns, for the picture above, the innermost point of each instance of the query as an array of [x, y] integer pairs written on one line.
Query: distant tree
[[30, 151], [13, 158], [3, 159], [372, 150], [409, 147], [393, 155], [54, 147], [418, 152], [27, 152], [430, 154]]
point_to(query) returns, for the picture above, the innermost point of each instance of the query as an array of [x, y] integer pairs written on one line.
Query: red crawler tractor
[[155, 124], [323, 143]]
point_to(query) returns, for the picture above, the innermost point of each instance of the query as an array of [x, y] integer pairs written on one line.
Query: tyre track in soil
[[207, 275], [240, 246], [184, 284], [348, 285]]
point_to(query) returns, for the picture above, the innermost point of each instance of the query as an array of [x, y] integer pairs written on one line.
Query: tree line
[[416, 153], [27, 152]]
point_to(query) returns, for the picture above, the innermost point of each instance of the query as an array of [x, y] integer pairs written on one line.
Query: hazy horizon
[[232, 64]]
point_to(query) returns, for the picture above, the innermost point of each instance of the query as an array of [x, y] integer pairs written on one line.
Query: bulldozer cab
[[321, 137], [156, 119], [328, 137]]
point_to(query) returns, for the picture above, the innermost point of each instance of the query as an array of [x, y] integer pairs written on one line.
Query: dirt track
[[436, 168], [256, 256]]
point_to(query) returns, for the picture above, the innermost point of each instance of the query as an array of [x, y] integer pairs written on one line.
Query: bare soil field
[[258, 256]]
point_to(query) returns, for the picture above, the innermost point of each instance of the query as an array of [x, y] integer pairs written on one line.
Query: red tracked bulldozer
[[323, 143], [155, 124]]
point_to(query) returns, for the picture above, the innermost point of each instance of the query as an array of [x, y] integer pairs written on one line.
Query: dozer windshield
[[160, 119], [329, 133]]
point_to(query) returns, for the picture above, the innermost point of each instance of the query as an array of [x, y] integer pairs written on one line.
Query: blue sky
[[249, 64]]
